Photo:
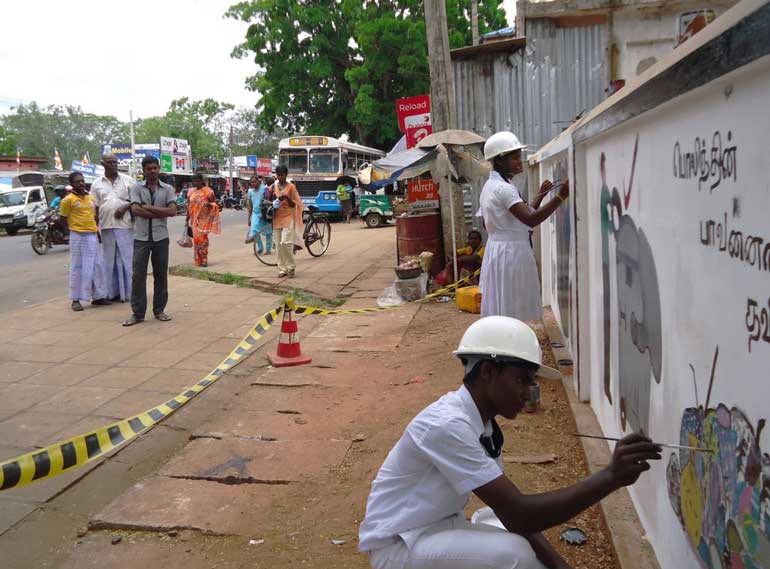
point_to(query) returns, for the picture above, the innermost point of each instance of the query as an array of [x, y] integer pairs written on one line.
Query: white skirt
[[509, 283]]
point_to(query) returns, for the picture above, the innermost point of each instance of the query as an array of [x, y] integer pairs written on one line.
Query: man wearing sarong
[[79, 210], [110, 192]]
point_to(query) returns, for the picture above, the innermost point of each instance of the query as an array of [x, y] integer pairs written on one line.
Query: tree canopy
[[205, 124], [337, 66]]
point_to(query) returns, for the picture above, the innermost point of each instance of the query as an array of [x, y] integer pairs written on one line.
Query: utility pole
[[230, 152], [132, 164], [475, 21], [443, 112]]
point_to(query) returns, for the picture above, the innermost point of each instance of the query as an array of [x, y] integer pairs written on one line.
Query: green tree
[[201, 123], [37, 131], [337, 66], [8, 143], [249, 137]]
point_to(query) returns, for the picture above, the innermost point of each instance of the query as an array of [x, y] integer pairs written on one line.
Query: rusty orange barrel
[[418, 233]]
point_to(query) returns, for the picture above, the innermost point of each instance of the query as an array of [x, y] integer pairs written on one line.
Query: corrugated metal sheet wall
[[537, 91]]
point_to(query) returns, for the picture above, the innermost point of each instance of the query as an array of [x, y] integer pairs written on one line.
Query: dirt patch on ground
[[314, 522]]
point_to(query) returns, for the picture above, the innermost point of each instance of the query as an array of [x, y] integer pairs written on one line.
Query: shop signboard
[[264, 166], [246, 172], [207, 166], [422, 194], [408, 106], [175, 156], [88, 170], [417, 128], [121, 150]]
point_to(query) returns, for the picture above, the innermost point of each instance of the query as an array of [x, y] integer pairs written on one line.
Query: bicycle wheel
[[265, 259], [318, 235]]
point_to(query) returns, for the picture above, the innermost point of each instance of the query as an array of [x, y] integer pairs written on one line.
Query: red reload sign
[[264, 166], [408, 106]]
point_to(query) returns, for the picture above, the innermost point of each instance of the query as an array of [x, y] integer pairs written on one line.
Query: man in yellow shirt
[[79, 209]]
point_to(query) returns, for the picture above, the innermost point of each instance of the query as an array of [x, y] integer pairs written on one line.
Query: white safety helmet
[[501, 142], [501, 338]]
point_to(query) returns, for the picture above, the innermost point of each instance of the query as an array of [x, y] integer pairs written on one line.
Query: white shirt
[[109, 197], [429, 475], [497, 198]]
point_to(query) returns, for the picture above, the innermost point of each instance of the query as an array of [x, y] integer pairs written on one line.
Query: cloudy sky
[[111, 58]]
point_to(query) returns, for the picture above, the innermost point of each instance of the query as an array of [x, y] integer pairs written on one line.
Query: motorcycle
[[48, 232]]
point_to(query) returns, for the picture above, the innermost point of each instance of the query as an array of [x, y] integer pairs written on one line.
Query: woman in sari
[[202, 218]]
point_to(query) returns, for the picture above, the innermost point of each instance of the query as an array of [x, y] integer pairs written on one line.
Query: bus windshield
[[295, 161], [326, 161]]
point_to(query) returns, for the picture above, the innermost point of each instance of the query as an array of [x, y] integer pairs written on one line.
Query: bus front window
[[325, 161], [296, 162]]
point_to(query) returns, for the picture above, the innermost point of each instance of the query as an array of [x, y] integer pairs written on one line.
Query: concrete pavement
[[63, 373]]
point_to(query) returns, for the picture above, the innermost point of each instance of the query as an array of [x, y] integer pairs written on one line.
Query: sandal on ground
[[204, 264], [133, 319], [282, 274], [76, 306], [163, 317], [291, 274], [101, 302]]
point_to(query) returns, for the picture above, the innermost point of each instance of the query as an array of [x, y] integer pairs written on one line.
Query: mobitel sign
[[409, 106]]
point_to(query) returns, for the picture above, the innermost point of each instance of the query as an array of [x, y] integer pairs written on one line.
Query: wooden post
[[475, 21], [443, 113]]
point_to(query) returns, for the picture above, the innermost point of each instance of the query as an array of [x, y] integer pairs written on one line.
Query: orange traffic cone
[[289, 352]]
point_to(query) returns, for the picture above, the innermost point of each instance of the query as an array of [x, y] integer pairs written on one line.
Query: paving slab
[[243, 460], [12, 512], [29, 428], [160, 503], [15, 371], [122, 377], [286, 424], [78, 400], [273, 398], [64, 374], [19, 396], [134, 401]]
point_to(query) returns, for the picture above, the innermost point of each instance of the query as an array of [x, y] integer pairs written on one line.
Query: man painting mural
[[110, 192]]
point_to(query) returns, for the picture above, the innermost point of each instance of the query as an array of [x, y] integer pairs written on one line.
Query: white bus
[[316, 162]]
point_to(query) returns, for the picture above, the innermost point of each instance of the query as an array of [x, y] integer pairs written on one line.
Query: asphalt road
[[27, 278]]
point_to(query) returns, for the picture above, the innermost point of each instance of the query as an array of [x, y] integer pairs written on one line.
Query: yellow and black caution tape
[[298, 309], [76, 451], [82, 449]]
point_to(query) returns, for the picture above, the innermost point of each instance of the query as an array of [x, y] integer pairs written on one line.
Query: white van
[[20, 207]]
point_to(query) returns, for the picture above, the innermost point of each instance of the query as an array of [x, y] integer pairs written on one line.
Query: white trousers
[[285, 239], [464, 546]]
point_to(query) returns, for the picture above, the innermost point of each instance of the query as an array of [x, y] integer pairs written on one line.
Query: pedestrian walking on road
[[202, 218], [414, 515], [152, 203], [79, 210], [260, 214], [110, 192], [287, 221], [509, 282]]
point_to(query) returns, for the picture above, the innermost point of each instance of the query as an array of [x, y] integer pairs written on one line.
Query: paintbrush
[[667, 445]]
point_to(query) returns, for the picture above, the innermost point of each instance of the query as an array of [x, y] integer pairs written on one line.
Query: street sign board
[[408, 106], [88, 170], [422, 194], [264, 166], [251, 161], [175, 156]]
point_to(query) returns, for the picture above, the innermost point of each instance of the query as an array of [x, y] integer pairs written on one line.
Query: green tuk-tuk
[[375, 210]]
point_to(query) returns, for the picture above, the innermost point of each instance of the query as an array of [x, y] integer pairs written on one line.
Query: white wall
[[678, 293]]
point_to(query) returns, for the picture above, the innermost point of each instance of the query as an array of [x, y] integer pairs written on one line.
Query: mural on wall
[[562, 286], [722, 497], [637, 308]]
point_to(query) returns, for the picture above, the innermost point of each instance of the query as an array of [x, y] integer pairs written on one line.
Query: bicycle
[[317, 236]]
